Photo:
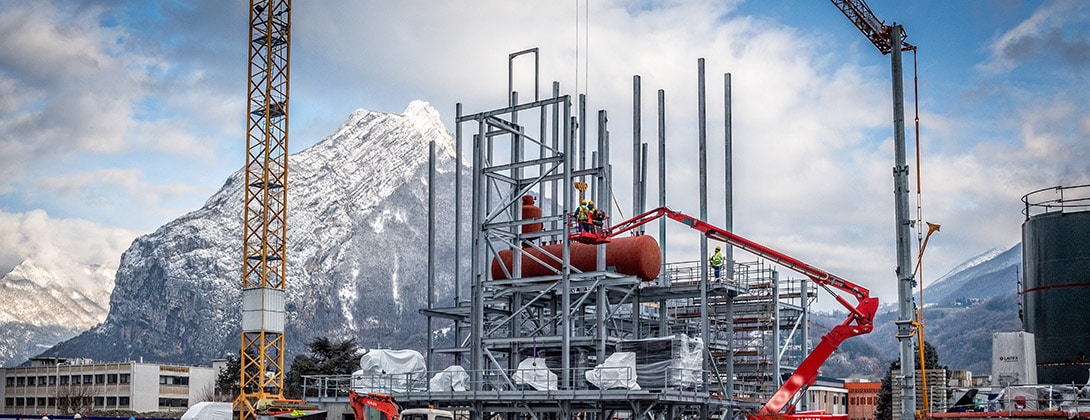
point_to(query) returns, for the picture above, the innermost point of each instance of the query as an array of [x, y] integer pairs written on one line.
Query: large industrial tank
[[1056, 289], [638, 256]]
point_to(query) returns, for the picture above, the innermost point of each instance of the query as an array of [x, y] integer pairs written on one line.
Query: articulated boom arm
[[860, 314]]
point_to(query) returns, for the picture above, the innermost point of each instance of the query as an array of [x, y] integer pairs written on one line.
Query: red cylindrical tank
[[530, 211], [638, 256]]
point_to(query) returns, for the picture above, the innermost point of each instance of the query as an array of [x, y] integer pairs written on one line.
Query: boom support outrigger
[[860, 313]]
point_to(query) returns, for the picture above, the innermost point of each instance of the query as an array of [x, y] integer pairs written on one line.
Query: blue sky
[[117, 117]]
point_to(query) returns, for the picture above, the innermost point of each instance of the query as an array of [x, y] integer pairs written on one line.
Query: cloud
[[34, 235], [85, 90], [1055, 32], [102, 187]]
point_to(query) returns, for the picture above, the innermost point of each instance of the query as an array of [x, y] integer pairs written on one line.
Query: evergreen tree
[[325, 358]]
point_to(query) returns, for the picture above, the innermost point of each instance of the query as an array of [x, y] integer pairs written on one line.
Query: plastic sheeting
[[667, 362], [617, 371], [385, 371], [208, 411], [453, 378], [533, 372]]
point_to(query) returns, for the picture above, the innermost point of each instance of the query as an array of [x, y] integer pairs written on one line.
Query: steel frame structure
[[264, 260], [574, 317]]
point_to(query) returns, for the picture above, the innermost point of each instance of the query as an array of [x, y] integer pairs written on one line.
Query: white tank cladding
[[1014, 360]]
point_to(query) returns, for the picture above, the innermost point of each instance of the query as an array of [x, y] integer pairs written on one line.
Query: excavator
[[376, 406], [859, 321]]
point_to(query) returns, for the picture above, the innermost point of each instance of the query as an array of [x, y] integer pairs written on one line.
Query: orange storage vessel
[[638, 256]]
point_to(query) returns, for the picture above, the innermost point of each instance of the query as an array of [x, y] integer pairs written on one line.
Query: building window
[[9, 401], [111, 402], [87, 379], [30, 381], [75, 380], [52, 380], [64, 380], [111, 378], [51, 402], [124, 378], [99, 401], [123, 402], [100, 379], [174, 380], [173, 402], [10, 381], [41, 402], [19, 402], [41, 381], [21, 381]]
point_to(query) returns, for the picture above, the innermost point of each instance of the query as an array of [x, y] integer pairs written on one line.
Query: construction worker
[[717, 262], [583, 216]]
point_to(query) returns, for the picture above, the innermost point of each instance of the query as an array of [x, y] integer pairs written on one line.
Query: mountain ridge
[[357, 208]]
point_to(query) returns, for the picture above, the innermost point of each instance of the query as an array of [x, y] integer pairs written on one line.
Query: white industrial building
[[69, 386]]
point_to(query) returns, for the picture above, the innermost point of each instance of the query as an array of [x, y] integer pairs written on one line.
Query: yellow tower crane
[[264, 259]]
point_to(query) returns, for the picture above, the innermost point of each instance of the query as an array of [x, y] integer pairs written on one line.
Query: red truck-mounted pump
[[860, 314]]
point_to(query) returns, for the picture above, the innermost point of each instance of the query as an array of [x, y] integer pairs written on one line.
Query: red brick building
[[862, 397]]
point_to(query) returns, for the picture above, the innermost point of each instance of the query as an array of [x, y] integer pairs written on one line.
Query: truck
[[376, 406]]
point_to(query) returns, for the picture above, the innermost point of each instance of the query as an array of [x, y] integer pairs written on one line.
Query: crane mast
[[883, 37], [264, 259]]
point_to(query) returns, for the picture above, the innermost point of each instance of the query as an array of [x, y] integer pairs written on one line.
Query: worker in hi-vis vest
[[717, 262]]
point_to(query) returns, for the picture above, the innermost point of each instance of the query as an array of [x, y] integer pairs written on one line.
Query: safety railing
[[1056, 199], [610, 379], [1017, 398]]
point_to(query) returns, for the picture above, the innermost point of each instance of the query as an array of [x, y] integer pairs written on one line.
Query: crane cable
[[921, 242]]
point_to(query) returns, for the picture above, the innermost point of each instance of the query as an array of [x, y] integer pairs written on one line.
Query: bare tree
[[74, 398]]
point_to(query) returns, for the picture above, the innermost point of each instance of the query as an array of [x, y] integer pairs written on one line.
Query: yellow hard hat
[[716, 248], [591, 202], [582, 201]]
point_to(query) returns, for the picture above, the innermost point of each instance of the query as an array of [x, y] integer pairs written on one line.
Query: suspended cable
[[577, 46], [920, 240]]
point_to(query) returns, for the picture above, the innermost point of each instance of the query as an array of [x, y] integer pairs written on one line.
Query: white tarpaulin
[[533, 372], [208, 411], [667, 362], [453, 378], [617, 371], [385, 371]]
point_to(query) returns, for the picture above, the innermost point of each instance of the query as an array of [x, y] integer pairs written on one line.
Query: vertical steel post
[[480, 259], [431, 254], [777, 320], [804, 326], [457, 224], [728, 182], [905, 281], [662, 203], [703, 153], [636, 126]]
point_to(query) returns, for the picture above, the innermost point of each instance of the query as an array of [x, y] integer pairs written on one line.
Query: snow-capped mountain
[[58, 303], [962, 311], [357, 252]]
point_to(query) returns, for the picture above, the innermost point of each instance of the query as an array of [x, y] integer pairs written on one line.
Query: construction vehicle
[[376, 406], [860, 314], [276, 406]]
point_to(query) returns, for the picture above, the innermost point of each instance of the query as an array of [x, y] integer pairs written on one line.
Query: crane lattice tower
[[265, 214]]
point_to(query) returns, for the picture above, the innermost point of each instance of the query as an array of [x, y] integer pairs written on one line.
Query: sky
[[117, 117]]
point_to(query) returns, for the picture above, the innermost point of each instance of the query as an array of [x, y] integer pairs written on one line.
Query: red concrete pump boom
[[860, 314]]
